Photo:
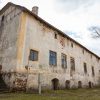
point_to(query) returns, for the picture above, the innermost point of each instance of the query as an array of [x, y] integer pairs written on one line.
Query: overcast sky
[[74, 16]]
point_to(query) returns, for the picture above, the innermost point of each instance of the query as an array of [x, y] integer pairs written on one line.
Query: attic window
[[55, 35]]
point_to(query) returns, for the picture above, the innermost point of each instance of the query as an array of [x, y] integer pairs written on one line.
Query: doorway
[[55, 84], [67, 84], [90, 85], [79, 84]]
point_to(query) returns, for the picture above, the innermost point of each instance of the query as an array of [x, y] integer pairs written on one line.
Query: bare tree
[[95, 31]]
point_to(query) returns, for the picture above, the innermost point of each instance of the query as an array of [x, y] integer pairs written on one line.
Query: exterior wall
[[40, 37], [22, 32], [9, 29]]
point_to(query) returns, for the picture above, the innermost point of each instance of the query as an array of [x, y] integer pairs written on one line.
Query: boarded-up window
[[52, 58], [64, 60], [33, 55], [93, 74], [85, 68]]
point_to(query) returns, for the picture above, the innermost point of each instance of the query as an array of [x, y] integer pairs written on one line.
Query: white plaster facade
[[40, 36]]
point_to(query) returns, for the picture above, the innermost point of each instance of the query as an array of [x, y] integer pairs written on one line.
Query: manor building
[[34, 52]]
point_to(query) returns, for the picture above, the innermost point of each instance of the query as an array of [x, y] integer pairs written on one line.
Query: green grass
[[77, 94]]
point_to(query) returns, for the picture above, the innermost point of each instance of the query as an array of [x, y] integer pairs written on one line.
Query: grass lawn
[[78, 94]]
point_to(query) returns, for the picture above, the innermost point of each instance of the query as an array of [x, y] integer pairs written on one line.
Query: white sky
[[74, 16]]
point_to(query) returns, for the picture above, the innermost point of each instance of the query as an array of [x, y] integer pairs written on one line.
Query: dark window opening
[[33, 55], [55, 36], [83, 51], [72, 62], [64, 60], [52, 58], [85, 68], [93, 74], [2, 19], [72, 45]]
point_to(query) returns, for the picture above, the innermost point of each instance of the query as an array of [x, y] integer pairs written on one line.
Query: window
[[33, 55], [72, 62], [83, 51], [72, 45], [55, 36], [2, 18], [64, 60], [72, 70], [52, 58], [85, 68], [93, 74], [91, 55]]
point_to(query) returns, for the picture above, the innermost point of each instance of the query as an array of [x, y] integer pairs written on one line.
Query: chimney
[[35, 10]]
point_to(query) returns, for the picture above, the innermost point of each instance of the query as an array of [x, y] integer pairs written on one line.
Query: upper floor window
[[72, 45], [52, 58], [91, 55], [85, 68], [72, 62], [64, 60], [83, 51], [33, 55], [55, 35], [2, 18], [93, 74]]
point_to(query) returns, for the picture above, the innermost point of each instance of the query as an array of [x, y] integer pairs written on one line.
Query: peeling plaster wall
[[22, 32], [9, 29], [41, 38]]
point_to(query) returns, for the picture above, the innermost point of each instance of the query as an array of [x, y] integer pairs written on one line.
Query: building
[[33, 52]]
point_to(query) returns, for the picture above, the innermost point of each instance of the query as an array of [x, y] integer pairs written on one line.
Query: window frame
[[30, 56], [72, 65], [52, 57]]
